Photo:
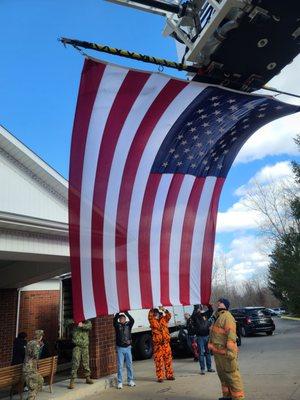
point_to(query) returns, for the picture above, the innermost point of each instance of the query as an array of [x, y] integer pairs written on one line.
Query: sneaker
[[202, 372], [120, 386], [171, 378], [131, 383], [211, 370]]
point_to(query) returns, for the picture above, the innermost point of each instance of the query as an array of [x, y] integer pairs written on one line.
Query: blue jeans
[[204, 353], [124, 353]]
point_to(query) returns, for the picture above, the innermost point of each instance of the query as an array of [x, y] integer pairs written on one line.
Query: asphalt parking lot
[[270, 366]]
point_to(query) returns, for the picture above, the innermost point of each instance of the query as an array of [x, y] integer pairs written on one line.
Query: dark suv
[[253, 320]]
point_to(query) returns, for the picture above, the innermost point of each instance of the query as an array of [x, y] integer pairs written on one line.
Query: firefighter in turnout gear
[[80, 338], [34, 381], [222, 342], [159, 319]]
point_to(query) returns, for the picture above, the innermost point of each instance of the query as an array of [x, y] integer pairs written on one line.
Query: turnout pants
[[230, 377], [80, 354], [163, 360]]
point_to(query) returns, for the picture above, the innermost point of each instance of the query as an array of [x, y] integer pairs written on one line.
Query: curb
[[291, 318]]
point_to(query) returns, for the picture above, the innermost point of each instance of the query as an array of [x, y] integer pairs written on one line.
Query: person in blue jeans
[[202, 324], [123, 342]]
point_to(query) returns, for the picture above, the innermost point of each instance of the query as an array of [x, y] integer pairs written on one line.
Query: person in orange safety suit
[[159, 319], [222, 343]]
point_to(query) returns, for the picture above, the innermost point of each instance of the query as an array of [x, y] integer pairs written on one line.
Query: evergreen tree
[[284, 269]]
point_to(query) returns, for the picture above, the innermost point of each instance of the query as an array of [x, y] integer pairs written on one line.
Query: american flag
[[149, 157]]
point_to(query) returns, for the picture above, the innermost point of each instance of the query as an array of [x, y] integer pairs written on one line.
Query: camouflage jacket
[[80, 335], [32, 353]]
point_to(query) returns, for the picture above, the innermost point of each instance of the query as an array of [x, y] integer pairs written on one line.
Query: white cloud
[[270, 174], [245, 258], [276, 138], [239, 216]]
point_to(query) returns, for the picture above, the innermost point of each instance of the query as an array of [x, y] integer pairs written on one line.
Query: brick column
[[8, 318], [102, 347]]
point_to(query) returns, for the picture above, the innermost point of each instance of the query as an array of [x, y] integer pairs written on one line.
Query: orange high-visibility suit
[[222, 342], [161, 345]]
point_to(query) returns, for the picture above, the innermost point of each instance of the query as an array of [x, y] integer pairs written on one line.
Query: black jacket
[[201, 321], [190, 326], [123, 331], [18, 351]]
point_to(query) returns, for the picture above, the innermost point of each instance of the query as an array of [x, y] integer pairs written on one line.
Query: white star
[[203, 116], [195, 137], [206, 168], [223, 146], [186, 150], [233, 108], [183, 142], [179, 163], [193, 165], [200, 110], [216, 158], [234, 117], [233, 133], [261, 115], [165, 164], [193, 129], [225, 151], [205, 124], [234, 139], [199, 144], [190, 157], [279, 108], [176, 155], [205, 162], [189, 123], [208, 132], [231, 101], [179, 137], [220, 119], [220, 166], [245, 120], [210, 141], [246, 126], [201, 153], [217, 112], [214, 98], [250, 106], [172, 151], [216, 104], [222, 130], [214, 154]]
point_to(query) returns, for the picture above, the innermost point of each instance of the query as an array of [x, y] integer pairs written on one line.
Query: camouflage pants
[[230, 377], [80, 354], [34, 382], [163, 360]]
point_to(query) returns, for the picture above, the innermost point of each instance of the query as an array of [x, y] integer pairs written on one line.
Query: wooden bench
[[12, 376]]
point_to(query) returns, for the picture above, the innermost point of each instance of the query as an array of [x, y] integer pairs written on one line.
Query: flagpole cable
[[77, 44]]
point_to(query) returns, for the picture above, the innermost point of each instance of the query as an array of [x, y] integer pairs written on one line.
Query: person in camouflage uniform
[[80, 338], [34, 381], [222, 343]]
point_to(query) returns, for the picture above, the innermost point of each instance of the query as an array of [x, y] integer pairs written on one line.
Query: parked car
[[271, 312], [253, 320], [279, 310], [180, 346]]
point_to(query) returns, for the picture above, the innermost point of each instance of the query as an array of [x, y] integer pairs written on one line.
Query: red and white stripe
[[137, 239]]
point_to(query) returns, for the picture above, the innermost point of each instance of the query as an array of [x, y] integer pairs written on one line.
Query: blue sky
[[39, 81]]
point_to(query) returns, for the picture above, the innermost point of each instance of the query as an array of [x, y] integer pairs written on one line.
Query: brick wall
[[8, 314], [39, 309], [102, 347]]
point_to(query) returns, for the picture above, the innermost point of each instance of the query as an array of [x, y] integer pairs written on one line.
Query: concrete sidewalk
[[60, 389]]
